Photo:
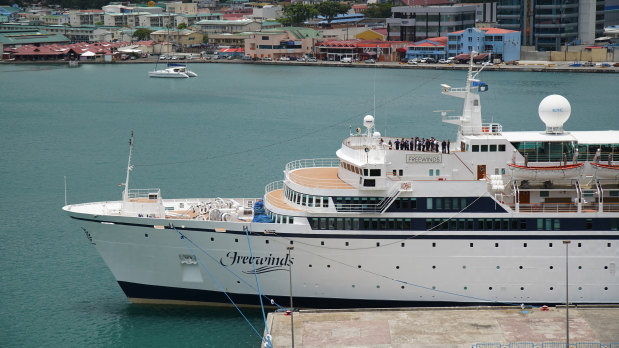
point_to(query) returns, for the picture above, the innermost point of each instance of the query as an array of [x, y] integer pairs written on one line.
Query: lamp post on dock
[[290, 248], [567, 303]]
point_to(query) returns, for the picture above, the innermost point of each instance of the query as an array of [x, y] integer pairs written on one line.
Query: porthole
[[470, 245], [310, 265], [466, 287], [496, 245], [402, 286], [551, 288], [353, 286], [433, 287], [322, 243], [522, 288], [397, 267], [291, 242], [552, 267], [346, 243], [378, 286], [579, 267], [464, 267], [238, 282], [498, 267], [524, 245], [377, 244], [236, 240], [212, 239], [328, 266], [266, 241], [579, 245], [550, 245], [520, 267], [606, 288], [605, 267], [146, 235], [358, 266], [580, 288], [608, 244], [433, 267], [402, 245], [434, 245], [489, 288]]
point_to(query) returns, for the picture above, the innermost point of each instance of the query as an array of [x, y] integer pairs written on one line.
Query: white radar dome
[[376, 134], [554, 111], [368, 121]]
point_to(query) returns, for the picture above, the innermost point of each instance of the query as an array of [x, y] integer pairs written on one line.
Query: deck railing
[[564, 207], [312, 181], [312, 163], [152, 193]]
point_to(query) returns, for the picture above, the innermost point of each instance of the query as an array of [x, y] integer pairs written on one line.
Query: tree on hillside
[[142, 34], [181, 26], [330, 9], [297, 13], [378, 11]]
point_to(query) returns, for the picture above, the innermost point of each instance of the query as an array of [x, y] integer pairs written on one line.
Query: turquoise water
[[227, 133]]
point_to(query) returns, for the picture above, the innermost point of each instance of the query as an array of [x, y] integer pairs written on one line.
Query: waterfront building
[[55, 19], [234, 40], [417, 23], [497, 43], [228, 26], [278, 42], [550, 25], [433, 48], [74, 34], [131, 19], [78, 18], [382, 51], [16, 38], [231, 53], [373, 34], [182, 38]]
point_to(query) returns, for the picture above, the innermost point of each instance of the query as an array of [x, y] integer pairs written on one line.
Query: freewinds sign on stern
[[264, 264]]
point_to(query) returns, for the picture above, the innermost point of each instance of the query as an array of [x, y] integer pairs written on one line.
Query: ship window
[[366, 224], [340, 224], [315, 224], [469, 224], [505, 225], [438, 172], [374, 172], [475, 148], [455, 203], [503, 171], [484, 148], [613, 224], [492, 148], [431, 172], [347, 223], [548, 225], [355, 224], [557, 225], [429, 203], [447, 203], [369, 182], [401, 171], [540, 224], [502, 148], [544, 193], [365, 172], [323, 223], [488, 224], [428, 224], [439, 203], [589, 224], [325, 202], [399, 224], [331, 223]]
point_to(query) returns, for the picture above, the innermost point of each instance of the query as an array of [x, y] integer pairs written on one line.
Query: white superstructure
[[385, 224]]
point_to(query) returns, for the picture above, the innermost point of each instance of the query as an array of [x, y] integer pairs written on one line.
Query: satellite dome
[[554, 111], [368, 121], [376, 134]]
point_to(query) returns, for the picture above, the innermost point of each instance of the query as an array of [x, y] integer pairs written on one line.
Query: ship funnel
[[554, 111]]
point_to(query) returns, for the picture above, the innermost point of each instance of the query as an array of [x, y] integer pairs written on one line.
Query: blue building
[[498, 43], [433, 48]]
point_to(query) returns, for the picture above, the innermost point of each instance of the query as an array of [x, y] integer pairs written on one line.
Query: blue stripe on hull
[[162, 294]]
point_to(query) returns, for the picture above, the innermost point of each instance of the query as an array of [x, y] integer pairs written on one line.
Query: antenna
[[65, 190], [129, 168]]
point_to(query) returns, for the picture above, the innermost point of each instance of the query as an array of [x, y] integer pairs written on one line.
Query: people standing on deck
[[390, 145], [448, 145], [397, 144], [444, 146]]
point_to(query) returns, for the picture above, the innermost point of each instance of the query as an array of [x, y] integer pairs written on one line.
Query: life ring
[[485, 129]]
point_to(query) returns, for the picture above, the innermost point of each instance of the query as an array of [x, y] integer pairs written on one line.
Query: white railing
[[275, 185], [312, 163], [145, 193]]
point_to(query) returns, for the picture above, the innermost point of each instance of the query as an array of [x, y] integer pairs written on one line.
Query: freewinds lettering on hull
[[233, 258]]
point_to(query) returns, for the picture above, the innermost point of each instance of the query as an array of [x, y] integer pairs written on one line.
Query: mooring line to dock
[[251, 254], [221, 288]]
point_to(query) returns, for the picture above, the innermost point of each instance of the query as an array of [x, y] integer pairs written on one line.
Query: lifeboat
[[605, 171], [568, 171]]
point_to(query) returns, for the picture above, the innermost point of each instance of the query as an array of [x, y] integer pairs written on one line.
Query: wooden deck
[[276, 198], [319, 177]]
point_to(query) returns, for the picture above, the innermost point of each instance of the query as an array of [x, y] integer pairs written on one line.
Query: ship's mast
[[129, 168]]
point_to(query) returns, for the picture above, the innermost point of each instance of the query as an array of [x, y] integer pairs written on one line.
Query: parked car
[[430, 60], [284, 59], [346, 60], [268, 59], [423, 60], [486, 63], [311, 60], [246, 58], [369, 61], [163, 57], [302, 59], [442, 61], [292, 58], [450, 60]]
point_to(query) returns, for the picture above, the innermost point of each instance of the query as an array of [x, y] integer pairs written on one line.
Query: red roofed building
[[383, 51], [500, 44]]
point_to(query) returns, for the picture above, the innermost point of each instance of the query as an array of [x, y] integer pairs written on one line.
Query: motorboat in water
[[173, 71]]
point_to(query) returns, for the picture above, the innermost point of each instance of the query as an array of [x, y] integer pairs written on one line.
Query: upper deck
[[321, 173]]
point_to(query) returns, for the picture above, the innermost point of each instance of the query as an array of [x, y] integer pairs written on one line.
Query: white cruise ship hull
[[342, 269]]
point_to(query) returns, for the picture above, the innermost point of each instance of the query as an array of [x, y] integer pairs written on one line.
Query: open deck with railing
[[316, 173]]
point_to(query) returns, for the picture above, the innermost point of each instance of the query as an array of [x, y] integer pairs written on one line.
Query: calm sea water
[[226, 133]]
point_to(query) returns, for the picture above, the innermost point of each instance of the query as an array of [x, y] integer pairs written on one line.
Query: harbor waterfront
[[220, 133]]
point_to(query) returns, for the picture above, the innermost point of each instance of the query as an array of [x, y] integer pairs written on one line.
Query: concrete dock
[[444, 327]]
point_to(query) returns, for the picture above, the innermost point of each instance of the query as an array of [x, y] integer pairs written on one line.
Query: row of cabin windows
[[306, 200], [369, 224], [487, 148], [347, 223], [446, 203], [361, 203], [280, 219], [350, 167]]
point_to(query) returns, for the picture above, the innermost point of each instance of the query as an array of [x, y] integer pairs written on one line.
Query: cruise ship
[[493, 218]]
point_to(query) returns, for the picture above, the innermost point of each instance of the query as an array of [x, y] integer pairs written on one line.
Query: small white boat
[[569, 171], [605, 171], [173, 71]]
